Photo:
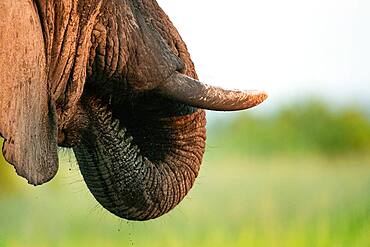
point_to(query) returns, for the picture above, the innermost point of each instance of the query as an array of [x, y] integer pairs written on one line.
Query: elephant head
[[113, 80]]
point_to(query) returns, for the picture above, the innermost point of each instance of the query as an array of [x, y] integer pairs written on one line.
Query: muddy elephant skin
[[114, 81]]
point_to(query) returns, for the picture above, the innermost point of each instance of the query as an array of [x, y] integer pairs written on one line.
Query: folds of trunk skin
[[128, 182]]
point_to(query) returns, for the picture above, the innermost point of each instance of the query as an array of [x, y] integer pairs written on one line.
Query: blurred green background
[[298, 176]]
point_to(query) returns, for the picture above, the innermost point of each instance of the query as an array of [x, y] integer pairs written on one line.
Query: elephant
[[112, 80]]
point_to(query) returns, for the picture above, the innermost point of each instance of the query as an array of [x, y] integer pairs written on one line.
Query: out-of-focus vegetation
[[300, 129], [299, 177]]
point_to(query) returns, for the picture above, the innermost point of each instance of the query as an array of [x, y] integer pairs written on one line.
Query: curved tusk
[[195, 93]]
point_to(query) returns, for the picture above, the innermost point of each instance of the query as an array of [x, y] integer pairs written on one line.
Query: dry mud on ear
[[27, 118]]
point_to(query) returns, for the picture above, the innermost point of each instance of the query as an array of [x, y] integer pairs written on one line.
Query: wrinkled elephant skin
[[114, 81]]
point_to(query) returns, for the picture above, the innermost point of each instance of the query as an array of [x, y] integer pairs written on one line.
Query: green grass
[[277, 202]]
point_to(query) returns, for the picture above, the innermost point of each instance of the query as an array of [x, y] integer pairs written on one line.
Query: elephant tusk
[[195, 93]]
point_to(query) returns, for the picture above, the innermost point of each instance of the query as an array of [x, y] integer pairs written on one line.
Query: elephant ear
[[27, 115]]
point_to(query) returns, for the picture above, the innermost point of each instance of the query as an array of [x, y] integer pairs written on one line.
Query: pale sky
[[290, 48]]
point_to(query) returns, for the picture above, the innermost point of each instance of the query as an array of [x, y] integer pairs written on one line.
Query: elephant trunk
[[143, 168]]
